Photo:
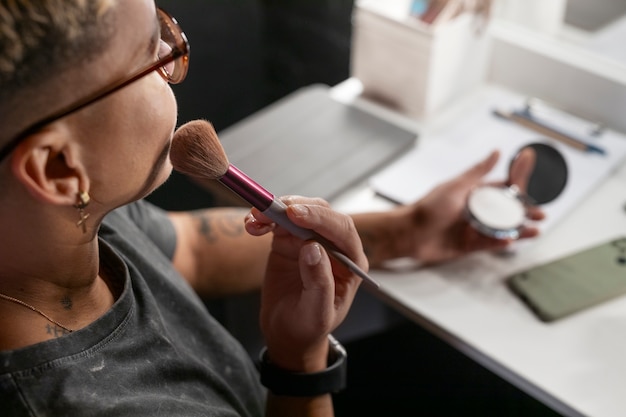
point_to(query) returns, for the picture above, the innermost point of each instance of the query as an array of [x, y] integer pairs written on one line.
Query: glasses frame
[[179, 51]]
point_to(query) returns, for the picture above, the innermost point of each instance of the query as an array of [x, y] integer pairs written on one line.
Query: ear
[[47, 163]]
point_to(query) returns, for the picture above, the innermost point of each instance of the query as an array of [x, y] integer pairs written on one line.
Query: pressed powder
[[497, 211]]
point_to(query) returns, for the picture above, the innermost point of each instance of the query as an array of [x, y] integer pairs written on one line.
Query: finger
[[522, 168], [535, 213], [318, 287], [528, 232], [315, 268], [483, 167], [296, 199], [336, 227], [255, 227], [476, 241], [288, 200]]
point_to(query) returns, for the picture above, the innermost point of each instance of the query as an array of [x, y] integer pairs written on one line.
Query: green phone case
[[573, 283]]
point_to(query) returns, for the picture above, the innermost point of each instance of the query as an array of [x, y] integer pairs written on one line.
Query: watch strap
[[301, 384]]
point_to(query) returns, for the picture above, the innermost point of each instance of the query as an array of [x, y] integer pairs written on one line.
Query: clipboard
[[445, 153]]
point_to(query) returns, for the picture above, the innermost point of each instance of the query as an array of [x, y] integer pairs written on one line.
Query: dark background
[[245, 54]]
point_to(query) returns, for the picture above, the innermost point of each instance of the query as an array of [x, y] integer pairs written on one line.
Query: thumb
[[317, 299], [315, 267], [522, 168]]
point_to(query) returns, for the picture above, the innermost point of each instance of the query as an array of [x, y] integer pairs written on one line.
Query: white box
[[414, 67]]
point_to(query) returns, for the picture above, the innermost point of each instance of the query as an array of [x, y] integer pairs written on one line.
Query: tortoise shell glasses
[[172, 65]]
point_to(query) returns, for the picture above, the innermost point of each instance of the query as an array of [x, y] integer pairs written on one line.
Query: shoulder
[[139, 223]]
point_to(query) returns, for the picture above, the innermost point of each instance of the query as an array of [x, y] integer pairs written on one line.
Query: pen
[[418, 7], [536, 107], [439, 11], [529, 122]]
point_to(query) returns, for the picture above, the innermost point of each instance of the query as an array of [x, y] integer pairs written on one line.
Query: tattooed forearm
[[213, 225], [383, 244]]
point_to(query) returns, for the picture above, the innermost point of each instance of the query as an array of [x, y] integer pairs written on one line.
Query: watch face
[[496, 211]]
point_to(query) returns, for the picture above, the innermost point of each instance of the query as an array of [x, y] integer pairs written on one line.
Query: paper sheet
[[449, 152]]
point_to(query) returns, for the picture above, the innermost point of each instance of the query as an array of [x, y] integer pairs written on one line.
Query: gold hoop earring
[[82, 202]]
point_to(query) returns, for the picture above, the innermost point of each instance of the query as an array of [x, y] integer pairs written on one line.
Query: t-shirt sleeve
[[155, 223]]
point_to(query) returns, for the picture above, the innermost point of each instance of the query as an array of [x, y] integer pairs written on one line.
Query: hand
[[306, 295], [435, 229], [441, 231]]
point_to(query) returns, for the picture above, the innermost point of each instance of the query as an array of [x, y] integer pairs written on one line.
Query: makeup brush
[[197, 152]]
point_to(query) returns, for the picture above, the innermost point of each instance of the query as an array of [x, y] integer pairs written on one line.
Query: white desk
[[576, 365]]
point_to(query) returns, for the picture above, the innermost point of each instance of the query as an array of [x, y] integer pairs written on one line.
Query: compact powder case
[[500, 211]]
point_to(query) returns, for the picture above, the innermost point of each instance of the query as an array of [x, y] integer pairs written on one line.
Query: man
[[99, 290]]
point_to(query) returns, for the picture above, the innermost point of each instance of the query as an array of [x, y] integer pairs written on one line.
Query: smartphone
[[575, 282]]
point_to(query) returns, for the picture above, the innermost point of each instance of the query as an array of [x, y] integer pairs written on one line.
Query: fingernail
[[312, 254], [251, 220], [300, 210]]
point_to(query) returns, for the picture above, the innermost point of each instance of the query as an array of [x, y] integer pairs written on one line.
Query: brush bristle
[[197, 151]]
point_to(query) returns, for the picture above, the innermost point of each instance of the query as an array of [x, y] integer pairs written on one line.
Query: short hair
[[40, 38]]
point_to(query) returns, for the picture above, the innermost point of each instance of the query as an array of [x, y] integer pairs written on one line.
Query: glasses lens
[[173, 40], [168, 69]]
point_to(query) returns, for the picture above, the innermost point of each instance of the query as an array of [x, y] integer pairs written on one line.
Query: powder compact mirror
[[500, 211]]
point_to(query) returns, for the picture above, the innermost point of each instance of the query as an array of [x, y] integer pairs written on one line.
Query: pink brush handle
[[276, 210]]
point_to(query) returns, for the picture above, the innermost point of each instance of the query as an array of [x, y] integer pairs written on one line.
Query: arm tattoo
[[210, 226]]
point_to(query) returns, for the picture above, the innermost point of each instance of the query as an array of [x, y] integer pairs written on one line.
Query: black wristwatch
[[300, 384]]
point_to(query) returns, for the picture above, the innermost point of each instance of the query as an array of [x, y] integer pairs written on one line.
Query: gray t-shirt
[[157, 352]]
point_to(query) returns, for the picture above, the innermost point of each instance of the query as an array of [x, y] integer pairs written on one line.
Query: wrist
[[289, 356], [387, 235], [300, 383]]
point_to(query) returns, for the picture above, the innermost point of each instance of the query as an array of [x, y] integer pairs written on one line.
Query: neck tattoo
[[36, 310]]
